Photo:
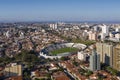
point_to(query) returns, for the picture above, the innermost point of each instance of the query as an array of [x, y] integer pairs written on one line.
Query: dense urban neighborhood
[[59, 51]]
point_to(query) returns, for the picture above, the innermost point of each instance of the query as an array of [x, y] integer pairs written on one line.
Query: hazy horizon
[[59, 10]]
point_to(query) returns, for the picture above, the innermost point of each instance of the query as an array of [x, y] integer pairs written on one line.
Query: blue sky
[[60, 10]]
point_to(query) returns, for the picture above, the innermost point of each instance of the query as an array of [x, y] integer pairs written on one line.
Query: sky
[[59, 10]]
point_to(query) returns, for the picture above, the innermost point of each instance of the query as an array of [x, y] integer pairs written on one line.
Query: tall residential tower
[[116, 57], [106, 53], [94, 61]]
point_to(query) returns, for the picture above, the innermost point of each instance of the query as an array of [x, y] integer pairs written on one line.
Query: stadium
[[61, 49]]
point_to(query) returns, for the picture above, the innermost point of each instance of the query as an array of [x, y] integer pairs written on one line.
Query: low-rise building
[[60, 76], [13, 69], [81, 56]]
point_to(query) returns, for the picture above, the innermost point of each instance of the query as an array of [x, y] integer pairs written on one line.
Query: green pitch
[[63, 50]]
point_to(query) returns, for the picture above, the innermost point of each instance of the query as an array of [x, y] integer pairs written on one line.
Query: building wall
[[116, 59], [106, 53], [92, 36], [98, 62], [117, 36], [15, 70], [99, 50], [95, 61], [105, 29], [81, 56]]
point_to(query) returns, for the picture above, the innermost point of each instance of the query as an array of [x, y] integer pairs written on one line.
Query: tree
[[75, 63], [26, 76], [113, 71], [64, 58], [89, 73], [37, 79]]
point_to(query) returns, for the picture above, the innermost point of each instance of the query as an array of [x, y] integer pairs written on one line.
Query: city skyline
[[59, 10]]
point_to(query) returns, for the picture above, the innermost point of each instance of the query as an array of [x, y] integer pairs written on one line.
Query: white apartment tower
[[104, 32], [105, 29]]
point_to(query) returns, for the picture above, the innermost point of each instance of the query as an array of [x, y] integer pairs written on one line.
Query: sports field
[[63, 50]]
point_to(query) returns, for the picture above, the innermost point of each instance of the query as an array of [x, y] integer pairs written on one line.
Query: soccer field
[[63, 50]]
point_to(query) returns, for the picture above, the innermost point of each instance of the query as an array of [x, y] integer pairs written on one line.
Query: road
[[69, 75]]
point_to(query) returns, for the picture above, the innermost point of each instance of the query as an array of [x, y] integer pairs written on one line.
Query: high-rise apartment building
[[105, 29], [53, 26], [92, 36], [106, 53], [116, 57], [104, 32], [95, 61]]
